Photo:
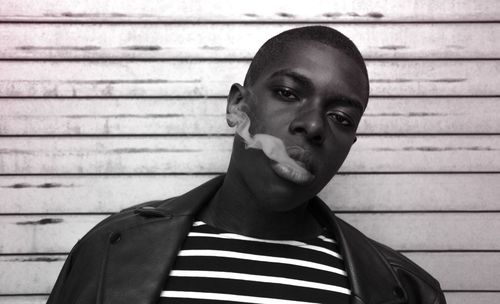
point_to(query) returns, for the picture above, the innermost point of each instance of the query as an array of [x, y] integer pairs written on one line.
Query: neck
[[236, 208]]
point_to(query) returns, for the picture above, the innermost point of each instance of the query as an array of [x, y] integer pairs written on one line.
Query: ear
[[236, 95]]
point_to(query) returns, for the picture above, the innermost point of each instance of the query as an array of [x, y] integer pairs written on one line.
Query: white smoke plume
[[273, 147]]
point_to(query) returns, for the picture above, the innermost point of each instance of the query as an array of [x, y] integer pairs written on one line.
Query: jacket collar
[[191, 202], [372, 279]]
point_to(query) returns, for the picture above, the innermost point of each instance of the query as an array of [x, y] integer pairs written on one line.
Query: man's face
[[312, 97]]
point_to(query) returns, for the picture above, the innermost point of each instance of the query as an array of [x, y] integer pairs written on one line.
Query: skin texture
[[313, 97]]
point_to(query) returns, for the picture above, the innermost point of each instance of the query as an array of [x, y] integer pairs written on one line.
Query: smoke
[[273, 147]]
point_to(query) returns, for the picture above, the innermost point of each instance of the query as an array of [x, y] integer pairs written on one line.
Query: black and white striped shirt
[[215, 266]]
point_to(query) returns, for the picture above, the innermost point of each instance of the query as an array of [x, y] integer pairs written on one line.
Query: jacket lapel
[[140, 256], [372, 279]]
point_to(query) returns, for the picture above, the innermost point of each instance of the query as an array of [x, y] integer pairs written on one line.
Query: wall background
[[108, 104]]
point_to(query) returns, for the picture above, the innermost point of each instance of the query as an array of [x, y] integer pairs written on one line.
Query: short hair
[[277, 44]]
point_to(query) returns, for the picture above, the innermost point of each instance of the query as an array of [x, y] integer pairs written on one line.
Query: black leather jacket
[[126, 258]]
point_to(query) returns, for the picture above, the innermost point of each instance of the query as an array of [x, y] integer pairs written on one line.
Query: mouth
[[299, 170], [301, 156]]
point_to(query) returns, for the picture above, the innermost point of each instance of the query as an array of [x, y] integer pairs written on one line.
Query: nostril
[[300, 130], [317, 139]]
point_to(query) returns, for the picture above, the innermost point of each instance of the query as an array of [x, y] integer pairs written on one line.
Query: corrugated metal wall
[[106, 104]]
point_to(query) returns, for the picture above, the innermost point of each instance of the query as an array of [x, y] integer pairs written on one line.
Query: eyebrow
[[305, 81]]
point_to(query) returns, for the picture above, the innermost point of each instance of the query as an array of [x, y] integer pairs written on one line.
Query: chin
[[281, 195]]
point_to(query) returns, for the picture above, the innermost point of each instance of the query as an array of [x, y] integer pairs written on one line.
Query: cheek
[[261, 121], [338, 150]]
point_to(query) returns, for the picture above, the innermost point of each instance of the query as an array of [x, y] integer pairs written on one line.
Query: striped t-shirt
[[214, 266]]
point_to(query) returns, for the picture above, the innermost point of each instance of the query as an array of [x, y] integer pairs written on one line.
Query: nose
[[311, 125]]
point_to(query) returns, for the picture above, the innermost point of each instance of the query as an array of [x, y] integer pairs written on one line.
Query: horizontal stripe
[[264, 249], [251, 268], [258, 278], [226, 297], [324, 238], [233, 236], [254, 257]]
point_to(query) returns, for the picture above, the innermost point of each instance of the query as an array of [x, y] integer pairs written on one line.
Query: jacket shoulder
[[81, 270], [124, 218]]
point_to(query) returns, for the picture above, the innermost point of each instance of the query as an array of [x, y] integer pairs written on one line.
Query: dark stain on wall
[[121, 81], [146, 150], [37, 259], [43, 186], [375, 15], [402, 80], [397, 80], [285, 15], [332, 15], [44, 221], [212, 47], [409, 114], [449, 80], [392, 47], [142, 48], [438, 149], [88, 15], [58, 48], [125, 116]]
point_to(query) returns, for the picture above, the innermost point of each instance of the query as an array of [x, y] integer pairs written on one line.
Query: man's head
[[275, 46], [309, 88]]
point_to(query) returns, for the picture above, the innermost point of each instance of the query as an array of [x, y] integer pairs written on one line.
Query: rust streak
[[475, 148], [58, 48], [411, 114], [43, 221], [126, 116], [19, 186], [118, 81], [43, 186], [15, 151], [38, 259], [448, 80], [375, 15], [146, 150], [92, 15], [438, 149], [424, 114], [332, 15], [400, 80], [285, 15], [210, 47], [51, 185], [392, 47], [142, 48]]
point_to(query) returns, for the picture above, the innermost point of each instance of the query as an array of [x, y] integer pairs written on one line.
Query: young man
[[258, 234]]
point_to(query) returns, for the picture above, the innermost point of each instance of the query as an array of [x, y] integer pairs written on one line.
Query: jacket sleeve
[[56, 296]]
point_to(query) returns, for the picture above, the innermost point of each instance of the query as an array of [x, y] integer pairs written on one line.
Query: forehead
[[328, 69]]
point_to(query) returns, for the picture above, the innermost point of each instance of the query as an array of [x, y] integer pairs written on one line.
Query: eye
[[341, 119], [286, 94]]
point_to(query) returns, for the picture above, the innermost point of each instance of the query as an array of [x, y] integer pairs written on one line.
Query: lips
[[301, 156], [300, 177], [298, 172]]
